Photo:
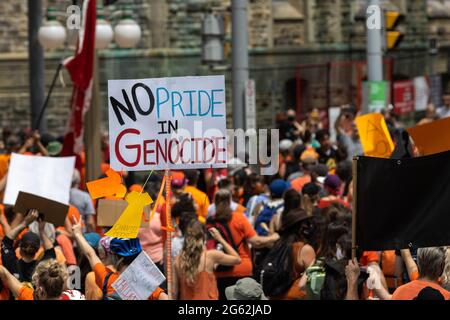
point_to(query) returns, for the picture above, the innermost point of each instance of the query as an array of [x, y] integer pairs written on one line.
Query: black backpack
[[211, 243], [276, 273]]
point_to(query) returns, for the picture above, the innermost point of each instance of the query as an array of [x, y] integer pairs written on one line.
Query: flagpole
[[37, 125], [168, 264], [354, 205]]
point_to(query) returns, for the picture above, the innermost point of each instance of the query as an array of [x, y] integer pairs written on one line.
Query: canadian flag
[[81, 68]]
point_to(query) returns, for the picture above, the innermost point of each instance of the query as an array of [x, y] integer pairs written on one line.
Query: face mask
[[339, 254]]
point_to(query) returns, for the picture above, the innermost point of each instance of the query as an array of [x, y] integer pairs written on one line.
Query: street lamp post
[[36, 64], [374, 50], [239, 66]]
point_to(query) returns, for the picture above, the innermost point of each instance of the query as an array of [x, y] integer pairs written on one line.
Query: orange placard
[[109, 186], [431, 138], [374, 135]]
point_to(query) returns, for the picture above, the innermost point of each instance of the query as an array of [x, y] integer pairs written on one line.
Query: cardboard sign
[[374, 135], [109, 211], [139, 280], [47, 177], [167, 123], [432, 137], [52, 211]]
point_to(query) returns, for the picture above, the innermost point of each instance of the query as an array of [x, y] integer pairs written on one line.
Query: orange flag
[[432, 137], [374, 135], [109, 186]]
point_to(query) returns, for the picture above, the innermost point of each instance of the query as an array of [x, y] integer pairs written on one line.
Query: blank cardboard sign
[[53, 211], [108, 211]]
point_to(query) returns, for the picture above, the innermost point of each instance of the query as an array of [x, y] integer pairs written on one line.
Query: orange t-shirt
[[101, 271], [241, 230], [411, 290], [92, 291], [369, 257], [201, 199], [25, 293], [298, 183]]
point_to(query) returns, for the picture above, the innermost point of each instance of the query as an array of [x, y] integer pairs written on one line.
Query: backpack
[[265, 216], [315, 279], [112, 296], [212, 244], [276, 273]]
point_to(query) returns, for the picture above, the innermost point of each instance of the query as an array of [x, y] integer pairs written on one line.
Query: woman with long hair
[[194, 267], [292, 200], [297, 237]]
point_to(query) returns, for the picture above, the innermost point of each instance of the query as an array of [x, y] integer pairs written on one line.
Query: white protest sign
[[47, 177], [139, 280], [167, 123], [422, 93], [333, 114]]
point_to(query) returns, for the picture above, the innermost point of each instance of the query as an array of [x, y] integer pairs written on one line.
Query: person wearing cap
[[297, 234], [123, 253], [29, 245], [308, 159], [245, 289], [332, 186]]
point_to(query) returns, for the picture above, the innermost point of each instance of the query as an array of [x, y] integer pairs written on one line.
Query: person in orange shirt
[[49, 283], [309, 159], [243, 234], [430, 262], [124, 252], [200, 198]]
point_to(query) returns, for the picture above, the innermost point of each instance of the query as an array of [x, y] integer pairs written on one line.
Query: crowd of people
[[237, 235]]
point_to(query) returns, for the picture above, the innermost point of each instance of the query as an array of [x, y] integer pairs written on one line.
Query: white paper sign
[[139, 280], [422, 93], [333, 114], [167, 123], [47, 177]]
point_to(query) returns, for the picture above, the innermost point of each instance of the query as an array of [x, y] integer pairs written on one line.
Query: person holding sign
[[123, 253], [29, 245], [194, 267]]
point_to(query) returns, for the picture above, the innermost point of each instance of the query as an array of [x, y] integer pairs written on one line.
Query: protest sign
[[404, 97], [139, 280], [421, 93], [334, 113], [432, 137], [167, 123], [109, 211], [51, 211], [128, 224], [47, 177], [374, 135], [402, 203], [109, 186]]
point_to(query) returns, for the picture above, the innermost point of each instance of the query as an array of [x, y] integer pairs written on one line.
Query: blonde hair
[[194, 241], [446, 273], [51, 277]]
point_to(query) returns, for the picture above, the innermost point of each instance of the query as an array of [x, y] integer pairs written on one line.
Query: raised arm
[[84, 246], [411, 266], [37, 140], [29, 218], [231, 257], [47, 242], [10, 281]]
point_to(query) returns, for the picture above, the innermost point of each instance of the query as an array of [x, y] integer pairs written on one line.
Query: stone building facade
[[292, 44]]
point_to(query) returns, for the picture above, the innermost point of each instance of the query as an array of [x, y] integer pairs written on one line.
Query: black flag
[[403, 202]]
